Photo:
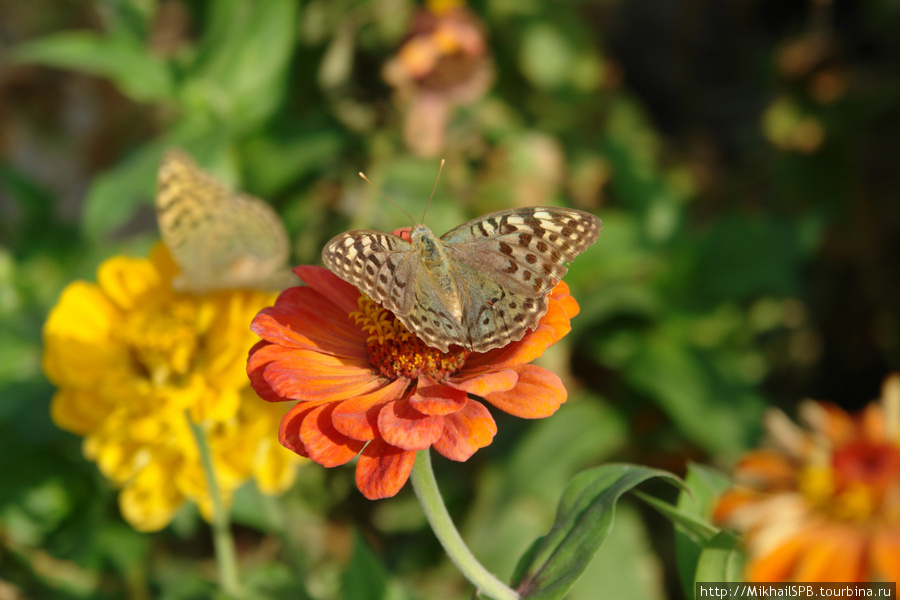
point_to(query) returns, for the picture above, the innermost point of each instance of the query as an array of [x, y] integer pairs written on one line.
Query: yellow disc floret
[[396, 352]]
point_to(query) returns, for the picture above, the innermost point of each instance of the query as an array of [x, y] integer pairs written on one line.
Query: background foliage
[[742, 158]]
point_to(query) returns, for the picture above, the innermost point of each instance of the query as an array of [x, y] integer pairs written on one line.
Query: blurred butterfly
[[218, 238], [481, 285]]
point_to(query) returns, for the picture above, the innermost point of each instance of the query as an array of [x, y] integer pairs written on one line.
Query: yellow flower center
[[398, 353], [162, 343], [862, 481]]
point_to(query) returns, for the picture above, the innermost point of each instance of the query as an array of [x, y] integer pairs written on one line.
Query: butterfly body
[[481, 285], [437, 263]]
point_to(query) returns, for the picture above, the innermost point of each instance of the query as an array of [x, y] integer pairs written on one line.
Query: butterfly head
[[426, 244]]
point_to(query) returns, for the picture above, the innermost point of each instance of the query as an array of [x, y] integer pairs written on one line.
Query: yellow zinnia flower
[[134, 359]]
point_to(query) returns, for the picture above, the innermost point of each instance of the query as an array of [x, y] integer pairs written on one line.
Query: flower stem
[[432, 503], [223, 542]]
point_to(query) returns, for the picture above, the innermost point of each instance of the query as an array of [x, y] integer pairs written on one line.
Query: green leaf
[[721, 560], [516, 498], [706, 485], [626, 567], [272, 163], [243, 59], [137, 73], [681, 380], [583, 521], [696, 528], [742, 256], [365, 577]]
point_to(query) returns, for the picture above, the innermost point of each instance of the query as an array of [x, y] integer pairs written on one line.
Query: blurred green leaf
[[705, 485], [136, 72], [744, 255], [721, 560], [681, 381], [365, 577], [242, 61], [272, 164], [583, 521], [584, 430]]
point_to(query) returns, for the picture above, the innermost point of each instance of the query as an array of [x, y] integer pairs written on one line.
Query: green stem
[[223, 542], [432, 503]]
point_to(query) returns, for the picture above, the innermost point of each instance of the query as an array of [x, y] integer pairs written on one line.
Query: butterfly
[[481, 285], [219, 239]]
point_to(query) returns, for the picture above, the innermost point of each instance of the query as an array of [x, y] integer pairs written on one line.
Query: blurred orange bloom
[[823, 503], [368, 387], [443, 63]]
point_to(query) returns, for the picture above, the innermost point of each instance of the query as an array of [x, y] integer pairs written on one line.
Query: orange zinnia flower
[[823, 504], [368, 387]]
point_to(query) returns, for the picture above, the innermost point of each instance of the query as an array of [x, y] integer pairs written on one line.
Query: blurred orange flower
[[368, 387], [823, 503], [443, 63]]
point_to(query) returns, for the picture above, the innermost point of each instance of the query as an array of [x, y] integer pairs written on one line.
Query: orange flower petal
[[310, 375], [562, 295], [768, 469], [487, 383], [323, 443], [733, 500], [833, 556], [432, 398], [289, 430], [778, 564], [383, 469], [403, 426], [343, 295], [307, 320], [256, 366], [886, 556], [537, 394], [357, 417], [466, 431]]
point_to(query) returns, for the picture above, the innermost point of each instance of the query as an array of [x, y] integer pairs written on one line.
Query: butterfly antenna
[[366, 179], [438, 178]]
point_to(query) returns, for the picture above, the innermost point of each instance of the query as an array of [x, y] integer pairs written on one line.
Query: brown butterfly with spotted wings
[[481, 285]]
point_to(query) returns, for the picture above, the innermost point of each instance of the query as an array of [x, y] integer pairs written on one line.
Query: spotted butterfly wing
[[518, 256], [218, 239], [480, 286]]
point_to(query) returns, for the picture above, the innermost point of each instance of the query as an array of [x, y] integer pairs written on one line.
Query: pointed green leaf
[[243, 60], [721, 560], [137, 73], [366, 578], [583, 521], [698, 529], [706, 485]]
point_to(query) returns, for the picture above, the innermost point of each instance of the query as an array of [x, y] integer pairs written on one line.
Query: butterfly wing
[[524, 250], [493, 315], [388, 269], [381, 265], [218, 239], [506, 263]]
